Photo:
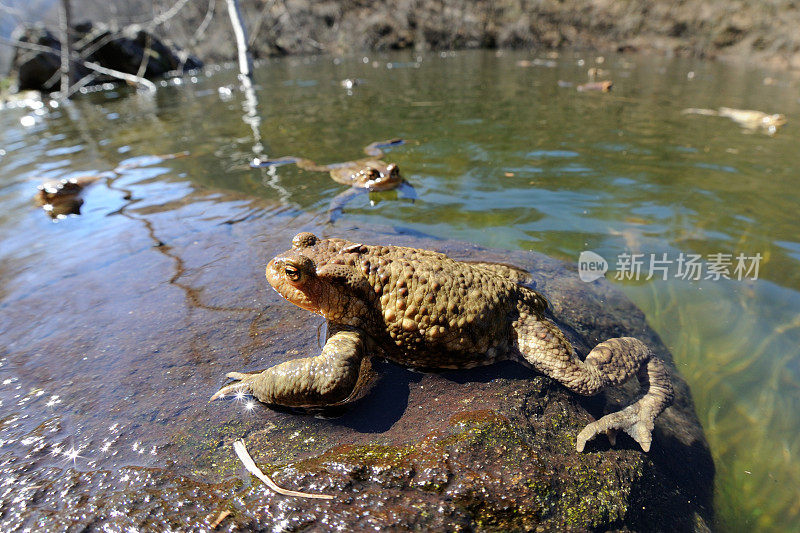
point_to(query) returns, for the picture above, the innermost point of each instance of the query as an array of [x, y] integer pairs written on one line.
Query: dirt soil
[[759, 31]]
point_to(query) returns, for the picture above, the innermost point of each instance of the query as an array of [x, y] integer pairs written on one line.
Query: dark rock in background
[[127, 51], [36, 70]]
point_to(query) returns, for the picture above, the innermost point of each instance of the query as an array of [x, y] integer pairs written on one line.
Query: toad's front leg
[[331, 378]]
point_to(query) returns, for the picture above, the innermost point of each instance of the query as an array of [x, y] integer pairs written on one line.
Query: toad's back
[[425, 309]]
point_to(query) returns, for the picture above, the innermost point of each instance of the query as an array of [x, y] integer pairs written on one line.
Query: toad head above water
[[370, 174], [421, 309]]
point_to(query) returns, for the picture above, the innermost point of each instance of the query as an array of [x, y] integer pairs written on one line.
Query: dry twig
[[222, 516], [250, 465], [240, 32]]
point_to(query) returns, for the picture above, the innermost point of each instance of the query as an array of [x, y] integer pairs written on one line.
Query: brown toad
[[420, 308], [61, 197], [368, 174]]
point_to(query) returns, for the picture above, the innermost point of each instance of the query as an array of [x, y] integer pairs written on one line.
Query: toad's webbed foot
[[610, 363], [615, 361], [407, 191], [337, 205], [301, 162], [331, 378], [243, 384], [635, 420]]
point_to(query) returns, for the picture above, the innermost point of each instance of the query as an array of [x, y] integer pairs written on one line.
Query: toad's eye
[[292, 273]]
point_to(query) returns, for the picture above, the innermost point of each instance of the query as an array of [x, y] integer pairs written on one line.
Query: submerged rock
[[134, 362]]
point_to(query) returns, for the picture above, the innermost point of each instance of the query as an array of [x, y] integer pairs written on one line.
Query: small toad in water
[[601, 86], [746, 118], [366, 174], [422, 309], [61, 197]]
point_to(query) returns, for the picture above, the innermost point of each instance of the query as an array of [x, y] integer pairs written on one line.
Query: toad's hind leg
[[610, 363], [375, 149], [334, 377]]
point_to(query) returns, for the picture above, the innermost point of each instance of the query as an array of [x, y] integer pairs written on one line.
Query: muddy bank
[[115, 338], [692, 28], [743, 31]]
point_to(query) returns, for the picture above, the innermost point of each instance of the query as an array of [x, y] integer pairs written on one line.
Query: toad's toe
[[638, 423], [243, 384]]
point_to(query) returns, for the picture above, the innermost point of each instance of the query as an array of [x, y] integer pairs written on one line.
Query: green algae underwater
[[499, 155]]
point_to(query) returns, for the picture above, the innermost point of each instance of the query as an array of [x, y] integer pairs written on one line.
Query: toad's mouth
[[384, 181]]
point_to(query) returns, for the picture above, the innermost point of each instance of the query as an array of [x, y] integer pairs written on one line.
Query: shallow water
[[499, 155]]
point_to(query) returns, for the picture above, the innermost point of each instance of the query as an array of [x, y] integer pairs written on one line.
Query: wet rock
[[128, 368], [493, 449]]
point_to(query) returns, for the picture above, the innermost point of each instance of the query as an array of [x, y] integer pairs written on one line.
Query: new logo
[[591, 266]]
